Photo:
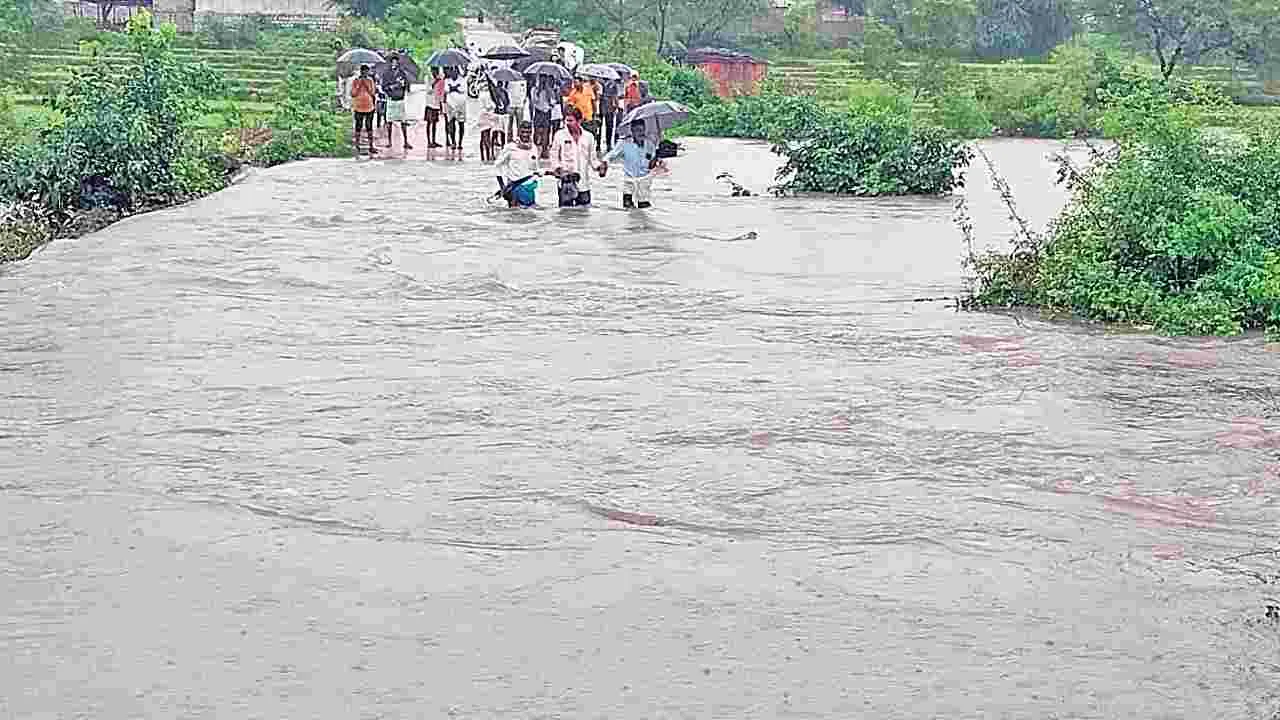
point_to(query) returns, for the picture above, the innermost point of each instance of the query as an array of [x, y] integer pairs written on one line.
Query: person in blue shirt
[[638, 158]]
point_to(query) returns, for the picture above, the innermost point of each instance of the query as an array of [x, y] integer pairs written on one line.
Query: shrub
[[123, 135], [1176, 228], [870, 155], [360, 32], [689, 86], [303, 123], [867, 147]]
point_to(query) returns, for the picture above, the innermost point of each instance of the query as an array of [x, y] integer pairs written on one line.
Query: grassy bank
[[163, 127]]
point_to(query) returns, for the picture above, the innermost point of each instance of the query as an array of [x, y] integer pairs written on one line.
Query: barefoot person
[[638, 156], [455, 107], [396, 83], [364, 101], [573, 155], [517, 167], [435, 104]]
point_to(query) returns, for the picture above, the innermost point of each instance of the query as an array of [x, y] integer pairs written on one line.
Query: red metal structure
[[732, 73]]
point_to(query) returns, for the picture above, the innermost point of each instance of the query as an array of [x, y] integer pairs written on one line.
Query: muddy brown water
[[343, 441]]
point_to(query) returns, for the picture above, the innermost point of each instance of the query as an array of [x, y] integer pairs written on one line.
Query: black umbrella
[[549, 69], [535, 55], [410, 67], [449, 58], [505, 52]]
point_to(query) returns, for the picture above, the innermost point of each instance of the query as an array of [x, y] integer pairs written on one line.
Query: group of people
[[383, 99], [570, 126]]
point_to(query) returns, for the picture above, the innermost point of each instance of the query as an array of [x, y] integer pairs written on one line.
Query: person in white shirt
[[519, 167], [455, 107], [573, 159]]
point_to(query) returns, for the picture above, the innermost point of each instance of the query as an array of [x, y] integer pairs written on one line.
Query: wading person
[[396, 84], [455, 107], [517, 167], [638, 157], [364, 101], [435, 104], [573, 155]]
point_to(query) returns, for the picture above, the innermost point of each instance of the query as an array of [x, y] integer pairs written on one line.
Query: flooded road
[[344, 441]]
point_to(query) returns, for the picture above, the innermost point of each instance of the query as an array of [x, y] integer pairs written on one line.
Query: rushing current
[[346, 441]]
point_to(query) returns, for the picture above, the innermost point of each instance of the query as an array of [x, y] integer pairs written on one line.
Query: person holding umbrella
[[364, 101], [544, 97], [396, 84], [638, 157]]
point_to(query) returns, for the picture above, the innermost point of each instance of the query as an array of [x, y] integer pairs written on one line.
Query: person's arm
[[614, 154]]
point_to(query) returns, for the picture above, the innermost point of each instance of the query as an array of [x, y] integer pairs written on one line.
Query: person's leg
[[644, 191], [462, 129], [484, 145], [628, 193], [448, 131], [583, 199], [404, 132], [355, 134]]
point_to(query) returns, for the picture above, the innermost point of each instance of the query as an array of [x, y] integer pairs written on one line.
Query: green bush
[[123, 135], [228, 33], [359, 32], [867, 147], [961, 113], [689, 86], [872, 155], [303, 124], [1176, 228]]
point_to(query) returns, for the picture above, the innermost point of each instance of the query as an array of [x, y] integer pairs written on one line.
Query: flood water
[[344, 441]]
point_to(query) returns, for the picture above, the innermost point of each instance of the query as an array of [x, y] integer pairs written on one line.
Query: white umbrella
[[599, 72]]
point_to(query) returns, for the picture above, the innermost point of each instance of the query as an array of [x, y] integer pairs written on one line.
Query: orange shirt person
[[583, 97], [363, 103]]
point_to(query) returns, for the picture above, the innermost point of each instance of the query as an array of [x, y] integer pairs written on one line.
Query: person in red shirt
[[631, 96], [363, 103]]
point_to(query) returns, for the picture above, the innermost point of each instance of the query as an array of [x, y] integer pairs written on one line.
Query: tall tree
[[1018, 28], [1177, 31], [934, 28]]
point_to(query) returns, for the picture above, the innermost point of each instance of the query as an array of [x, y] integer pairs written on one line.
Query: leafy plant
[[303, 123], [124, 132], [1176, 227]]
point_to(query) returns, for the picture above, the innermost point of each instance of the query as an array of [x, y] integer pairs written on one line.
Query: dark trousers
[[610, 123]]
